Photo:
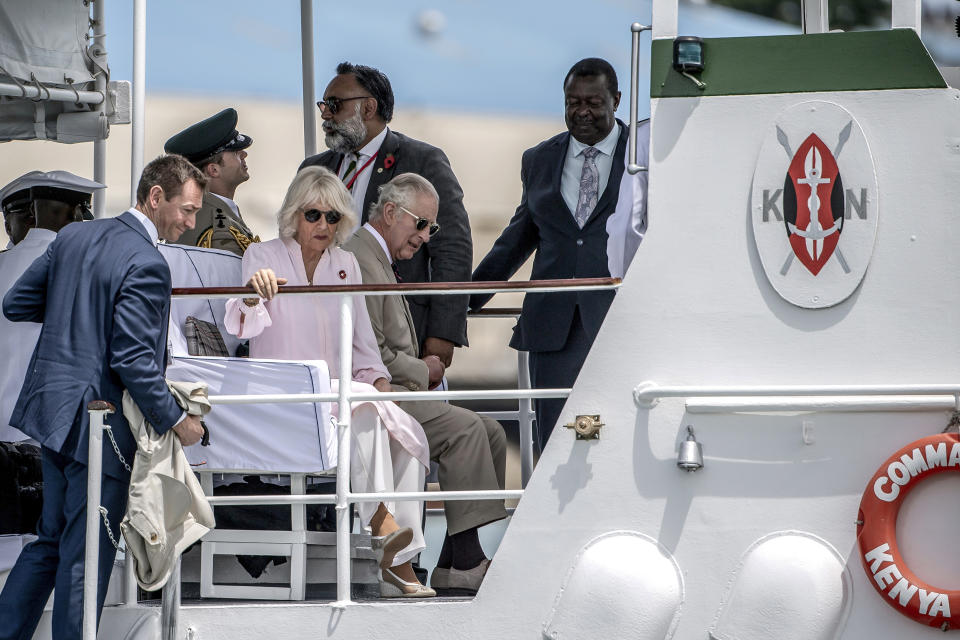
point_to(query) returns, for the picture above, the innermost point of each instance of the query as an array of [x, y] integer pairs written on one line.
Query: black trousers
[[54, 562], [554, 369]]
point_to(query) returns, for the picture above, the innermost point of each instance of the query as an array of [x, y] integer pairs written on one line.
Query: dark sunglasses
[[333, 104], [423, 222], [312, 215]]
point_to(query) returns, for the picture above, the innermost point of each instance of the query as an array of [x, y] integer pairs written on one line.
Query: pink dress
[[308, 328]]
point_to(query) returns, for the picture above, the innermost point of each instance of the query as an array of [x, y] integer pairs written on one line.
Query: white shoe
[[387, 547], [392, 586]]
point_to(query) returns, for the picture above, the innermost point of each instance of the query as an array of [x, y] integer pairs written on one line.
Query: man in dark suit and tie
[[102, 292], [365, 153], [584, 217]]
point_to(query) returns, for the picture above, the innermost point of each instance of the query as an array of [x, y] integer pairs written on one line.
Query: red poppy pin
[[388, 161], [343, 274]]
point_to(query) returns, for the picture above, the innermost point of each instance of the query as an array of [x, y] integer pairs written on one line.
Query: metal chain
[[106, 525], [123, 460]]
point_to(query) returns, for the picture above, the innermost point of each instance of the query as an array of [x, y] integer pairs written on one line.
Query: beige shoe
[[387, 547], [392, 586], [440, 578], [461, 580]]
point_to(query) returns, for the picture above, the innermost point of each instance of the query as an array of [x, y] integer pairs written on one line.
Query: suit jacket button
[[579, 242]]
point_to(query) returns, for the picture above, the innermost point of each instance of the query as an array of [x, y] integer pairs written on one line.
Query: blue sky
[[487, 55]]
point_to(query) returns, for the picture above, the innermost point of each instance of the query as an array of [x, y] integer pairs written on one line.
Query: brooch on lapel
[[342, 274], [389, 161]]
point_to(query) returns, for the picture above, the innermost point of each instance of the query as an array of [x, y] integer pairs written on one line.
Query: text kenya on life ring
[[877, 530]]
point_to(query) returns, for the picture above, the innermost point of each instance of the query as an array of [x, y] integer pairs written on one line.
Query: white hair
[[317, 184], [402, 191]]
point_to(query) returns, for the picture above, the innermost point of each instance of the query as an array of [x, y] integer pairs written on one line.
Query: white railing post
[[129, 578], [665, 19], [170, 604], [309, 91], [814, 16], [635, 30], [905, 14], [138, 95], [91, 555], [524, 421], [100, 144], [343, 450]]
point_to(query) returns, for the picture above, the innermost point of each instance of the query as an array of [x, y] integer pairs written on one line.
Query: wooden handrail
[[408, 286]]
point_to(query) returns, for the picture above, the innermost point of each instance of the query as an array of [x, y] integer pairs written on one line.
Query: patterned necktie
[[396, 273], [589, 186], [351, 168]]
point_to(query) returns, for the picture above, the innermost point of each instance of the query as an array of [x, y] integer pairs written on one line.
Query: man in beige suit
[[470, 449]]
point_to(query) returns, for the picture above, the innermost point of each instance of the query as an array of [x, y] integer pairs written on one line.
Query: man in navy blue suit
[[102, 292], [584, 217]]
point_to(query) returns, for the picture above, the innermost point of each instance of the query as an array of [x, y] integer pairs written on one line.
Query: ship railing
[[344, 497]]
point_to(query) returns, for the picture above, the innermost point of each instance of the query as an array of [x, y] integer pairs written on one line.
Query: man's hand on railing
[[436, 369], [189, 430], [439, 347]]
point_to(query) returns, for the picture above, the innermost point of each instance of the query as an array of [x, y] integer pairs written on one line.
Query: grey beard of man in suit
[[357, 106], [350, 134]]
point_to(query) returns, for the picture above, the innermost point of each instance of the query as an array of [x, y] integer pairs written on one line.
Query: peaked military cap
[[61, 186], [209, 137]]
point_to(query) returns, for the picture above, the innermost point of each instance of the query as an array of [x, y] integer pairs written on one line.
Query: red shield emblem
[[813, 204]]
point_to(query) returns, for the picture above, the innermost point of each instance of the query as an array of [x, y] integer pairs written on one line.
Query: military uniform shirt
[[219, 226]]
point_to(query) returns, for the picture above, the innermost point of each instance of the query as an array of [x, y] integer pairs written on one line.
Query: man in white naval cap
[[216, 148], [18, 213], [46, 201], [35, 207]]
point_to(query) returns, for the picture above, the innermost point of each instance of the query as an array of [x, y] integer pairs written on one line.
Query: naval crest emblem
[[814, 204]]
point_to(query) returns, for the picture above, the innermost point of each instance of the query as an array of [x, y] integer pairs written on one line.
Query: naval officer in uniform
[[48, 201], [216, 148]]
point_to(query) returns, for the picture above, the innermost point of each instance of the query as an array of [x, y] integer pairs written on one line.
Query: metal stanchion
[[91, 556], [343, 450], [170, 606]]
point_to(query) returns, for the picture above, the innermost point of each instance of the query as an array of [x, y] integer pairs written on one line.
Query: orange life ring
[[877, 530]]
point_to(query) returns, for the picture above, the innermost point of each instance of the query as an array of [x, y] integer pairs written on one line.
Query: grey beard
[[346, 137]]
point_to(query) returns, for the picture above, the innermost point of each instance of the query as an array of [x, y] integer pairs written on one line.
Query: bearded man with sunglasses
[[366, 154]]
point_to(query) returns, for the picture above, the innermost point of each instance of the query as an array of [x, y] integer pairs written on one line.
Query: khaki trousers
[[471, 451]]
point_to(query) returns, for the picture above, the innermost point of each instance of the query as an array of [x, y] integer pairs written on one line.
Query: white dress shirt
[[573, 167], [359, 188], [383, 243], [147, 224], [17, 339]]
